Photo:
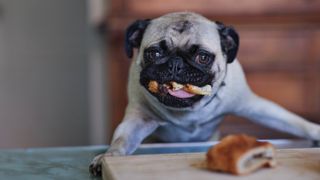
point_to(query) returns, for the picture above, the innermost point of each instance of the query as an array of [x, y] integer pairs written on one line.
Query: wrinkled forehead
[[183, 31]]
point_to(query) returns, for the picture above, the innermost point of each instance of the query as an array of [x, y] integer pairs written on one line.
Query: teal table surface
[[73, 162], [48, 163]]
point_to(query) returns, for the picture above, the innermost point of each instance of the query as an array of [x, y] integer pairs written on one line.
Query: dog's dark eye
[[152, 54], [203, 58]]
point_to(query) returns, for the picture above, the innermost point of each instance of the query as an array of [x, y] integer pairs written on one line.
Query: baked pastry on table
[[240, 154]]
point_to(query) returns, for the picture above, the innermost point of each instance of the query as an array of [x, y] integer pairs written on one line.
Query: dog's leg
[[274, 116], [127, 137]]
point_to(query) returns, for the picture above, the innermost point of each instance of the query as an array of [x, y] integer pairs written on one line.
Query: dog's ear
[[229, 41], [134, 34]]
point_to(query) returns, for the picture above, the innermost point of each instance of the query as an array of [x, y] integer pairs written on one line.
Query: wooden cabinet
[[279, 50]]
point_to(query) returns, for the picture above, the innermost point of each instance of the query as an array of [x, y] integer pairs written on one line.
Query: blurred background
[[52, 83], [63, 69]]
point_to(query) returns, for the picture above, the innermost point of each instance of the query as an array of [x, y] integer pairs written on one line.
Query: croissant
[[240, 154]]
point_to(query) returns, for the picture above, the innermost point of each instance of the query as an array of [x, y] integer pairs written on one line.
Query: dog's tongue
[[180, 93]]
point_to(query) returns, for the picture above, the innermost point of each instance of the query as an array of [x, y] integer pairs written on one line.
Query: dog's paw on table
[[95, 165]]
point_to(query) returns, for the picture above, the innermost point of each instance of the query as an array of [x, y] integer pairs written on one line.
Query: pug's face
[[183, 56]]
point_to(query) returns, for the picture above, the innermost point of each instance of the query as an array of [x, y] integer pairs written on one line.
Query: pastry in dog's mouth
[[179, 90]]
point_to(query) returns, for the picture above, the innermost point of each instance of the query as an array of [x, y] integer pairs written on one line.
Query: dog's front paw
[[95, 165]]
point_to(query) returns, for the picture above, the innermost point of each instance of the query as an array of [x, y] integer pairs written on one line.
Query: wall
[[43, 73]]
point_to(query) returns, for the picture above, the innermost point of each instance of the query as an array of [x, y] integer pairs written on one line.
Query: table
[[72, 162], [292, 164]]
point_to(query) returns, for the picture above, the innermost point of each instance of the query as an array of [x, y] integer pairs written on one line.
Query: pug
[[184, 78]]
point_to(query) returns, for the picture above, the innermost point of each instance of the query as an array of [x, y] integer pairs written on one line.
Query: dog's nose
[[175, 65]]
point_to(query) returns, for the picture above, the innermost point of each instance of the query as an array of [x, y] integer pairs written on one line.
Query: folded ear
[[134, 34], [229, 40]]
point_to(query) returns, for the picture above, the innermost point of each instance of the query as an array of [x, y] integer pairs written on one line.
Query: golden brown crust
[[153, 86], [225, 155], [196, 90]]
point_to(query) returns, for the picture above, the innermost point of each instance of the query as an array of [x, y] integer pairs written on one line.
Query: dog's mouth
[[179, 90], [177, 95]]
